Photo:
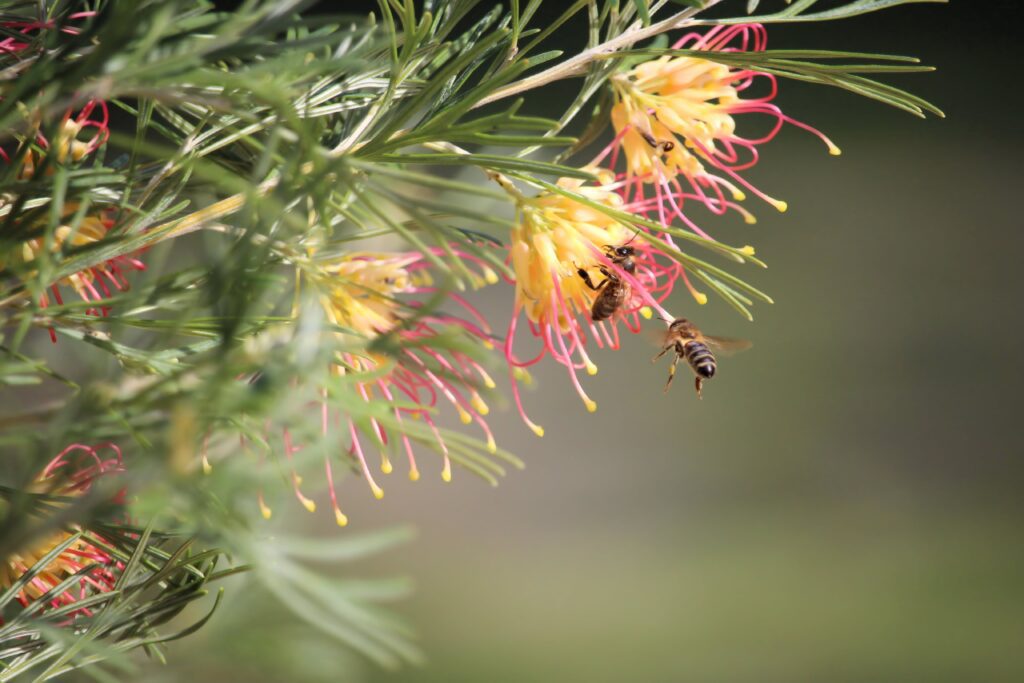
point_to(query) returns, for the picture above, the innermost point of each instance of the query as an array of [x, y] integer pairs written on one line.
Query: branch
[[576, 66]]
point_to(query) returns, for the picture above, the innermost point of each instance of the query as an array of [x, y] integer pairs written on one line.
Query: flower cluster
[[362, 297], [585, 257], [80, 133], [69, 475], [675, 117], [93, 284], [556, 239], [676, 132]]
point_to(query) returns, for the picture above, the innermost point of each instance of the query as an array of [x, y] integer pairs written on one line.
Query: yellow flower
[[80, 554], [365, 295], [557, 237], [358, 291], [554, 238], [676, 116]]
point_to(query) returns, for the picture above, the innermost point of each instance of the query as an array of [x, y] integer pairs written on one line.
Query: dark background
[[845, 503]]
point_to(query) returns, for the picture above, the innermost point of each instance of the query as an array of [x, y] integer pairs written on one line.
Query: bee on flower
[[557, 243], [362, 297], [69, 475], [676, 116]]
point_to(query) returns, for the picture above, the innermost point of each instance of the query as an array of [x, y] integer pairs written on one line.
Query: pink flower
[[363, 296], [70, 474], [94, 284], [557, 237], [676, 117]]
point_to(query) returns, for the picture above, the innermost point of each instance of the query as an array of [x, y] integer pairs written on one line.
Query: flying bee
[[695, 347], [613, 291]]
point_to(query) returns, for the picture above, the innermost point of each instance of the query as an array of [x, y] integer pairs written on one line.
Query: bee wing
[[727, 345], [657, 338]]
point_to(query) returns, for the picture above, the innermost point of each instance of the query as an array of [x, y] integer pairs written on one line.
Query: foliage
[[248, 154]]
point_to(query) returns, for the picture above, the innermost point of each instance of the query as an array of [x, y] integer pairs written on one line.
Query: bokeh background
[[843, 505]]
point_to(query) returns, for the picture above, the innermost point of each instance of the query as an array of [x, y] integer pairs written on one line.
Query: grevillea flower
[[554, 238], [93, 284], [26, 31], [676, 116], [81, 133], [68, 475], [91, 122], [361, 294]]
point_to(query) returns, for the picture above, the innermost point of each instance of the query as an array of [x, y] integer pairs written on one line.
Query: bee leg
[[699, 382], [588, 282], [671, 374], [663, 352]]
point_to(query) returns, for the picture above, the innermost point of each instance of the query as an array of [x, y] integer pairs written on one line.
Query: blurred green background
[[843, 505]]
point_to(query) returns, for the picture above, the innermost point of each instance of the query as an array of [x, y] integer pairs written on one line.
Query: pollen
[[478, 404]]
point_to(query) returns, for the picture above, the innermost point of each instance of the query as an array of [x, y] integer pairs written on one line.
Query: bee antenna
[[635, 235]]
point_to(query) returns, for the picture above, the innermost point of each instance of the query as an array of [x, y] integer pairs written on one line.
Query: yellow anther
[[646, 312], [700, 297], [779, 204], [492, 447], [340, 517], [414, 474], [537, 429], [307, 503], [490, 276], [464, 416], [378, 492], [478, 404], [591, 368], [265, 511], [746, 250], [207, 467], [385, 464], [446, 472], [591, 405]]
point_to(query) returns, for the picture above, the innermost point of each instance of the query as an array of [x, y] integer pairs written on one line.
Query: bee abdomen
[[608, 301], [700, 358]]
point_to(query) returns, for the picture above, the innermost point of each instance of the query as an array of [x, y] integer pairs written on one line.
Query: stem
[[576, 66]]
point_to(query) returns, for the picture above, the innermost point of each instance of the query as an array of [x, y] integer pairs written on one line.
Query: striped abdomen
[[610, 299], [700, 358]]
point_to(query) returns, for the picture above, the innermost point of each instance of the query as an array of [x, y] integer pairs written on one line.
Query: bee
[[613, 291], [692, 345]]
